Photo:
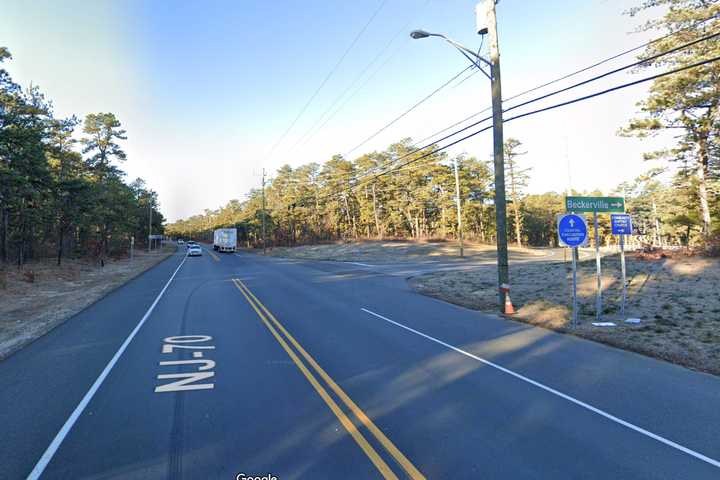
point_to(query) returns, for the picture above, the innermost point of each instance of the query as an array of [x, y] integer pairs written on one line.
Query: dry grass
[[41, 296], [677, 299], [388, 251]]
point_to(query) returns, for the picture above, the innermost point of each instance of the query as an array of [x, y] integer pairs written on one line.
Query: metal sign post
[[622, 225], [572, 232], [595, 205], [574, 252], [598, 296], [624, 282]]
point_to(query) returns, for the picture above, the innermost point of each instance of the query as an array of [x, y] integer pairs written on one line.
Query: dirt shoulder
[[42, 295], [677, 299], [390, 251]]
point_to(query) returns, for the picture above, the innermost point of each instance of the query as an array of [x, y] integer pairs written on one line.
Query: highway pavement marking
[[346, 422], [67, 426], [361, 264], [187, 380], [212, 254], [574, 400], [402, 460]]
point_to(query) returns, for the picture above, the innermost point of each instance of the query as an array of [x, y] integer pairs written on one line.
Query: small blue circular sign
[[572, 230]]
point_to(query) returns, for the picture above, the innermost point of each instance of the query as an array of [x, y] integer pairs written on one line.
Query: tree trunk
[[4, 237], [378, 228], [516, 207], [702, 167], [60, 235]]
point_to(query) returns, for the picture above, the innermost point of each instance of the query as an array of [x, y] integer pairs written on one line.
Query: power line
[[552, 107], [312, 131], [327, 77], [653, 57], [640, 62], [572, 74], [584, 82], [705, 38], [393, 121]]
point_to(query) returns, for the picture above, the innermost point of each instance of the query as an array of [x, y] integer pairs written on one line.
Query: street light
[[487, 25], [477, 61]]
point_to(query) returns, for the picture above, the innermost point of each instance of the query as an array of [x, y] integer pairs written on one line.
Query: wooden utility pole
[[499, 157], [263, 213], [459, 209], [149, 224]]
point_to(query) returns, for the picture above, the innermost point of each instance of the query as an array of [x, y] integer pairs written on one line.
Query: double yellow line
[[281, 335]]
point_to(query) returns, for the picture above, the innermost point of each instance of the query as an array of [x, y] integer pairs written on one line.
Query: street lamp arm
[[473, 57], [474, 62], [464, 49]]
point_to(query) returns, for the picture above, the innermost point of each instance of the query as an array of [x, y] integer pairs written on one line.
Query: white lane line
[[580, 403], [361, 264], [57, 441]]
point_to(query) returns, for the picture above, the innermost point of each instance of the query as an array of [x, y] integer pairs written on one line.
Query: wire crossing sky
[[207, 92]]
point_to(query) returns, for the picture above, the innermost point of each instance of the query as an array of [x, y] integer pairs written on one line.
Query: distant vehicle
[[194, 251], [225, 239], [190, 243], [180, 241]]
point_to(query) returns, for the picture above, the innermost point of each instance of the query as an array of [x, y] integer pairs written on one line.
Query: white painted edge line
[[580, 403], [57, 441], [361, 264]]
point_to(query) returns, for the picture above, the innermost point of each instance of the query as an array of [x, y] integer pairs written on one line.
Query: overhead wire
[[325, 80], [640, 62], [576, 85], [570, 75], [322, 120], [406, 112], [552, 107]]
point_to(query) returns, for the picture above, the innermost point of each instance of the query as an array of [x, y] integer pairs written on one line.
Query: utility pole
[[459, 210], [499, 158], [263, 213], [149, 224]]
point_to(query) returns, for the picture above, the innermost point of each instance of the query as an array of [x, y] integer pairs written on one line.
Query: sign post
[[622, 225], [572, 232], [596, 205], [598, 265]]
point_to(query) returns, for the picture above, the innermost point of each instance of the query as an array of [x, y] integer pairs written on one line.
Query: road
[[410, 266], [212, 366]]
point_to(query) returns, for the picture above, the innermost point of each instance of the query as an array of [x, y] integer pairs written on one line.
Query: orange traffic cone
[[509, 309]]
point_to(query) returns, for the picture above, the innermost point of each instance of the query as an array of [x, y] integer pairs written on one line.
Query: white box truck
[[225, 239]]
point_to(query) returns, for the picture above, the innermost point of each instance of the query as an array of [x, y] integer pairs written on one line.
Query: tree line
[[60, 195], [349, 199]]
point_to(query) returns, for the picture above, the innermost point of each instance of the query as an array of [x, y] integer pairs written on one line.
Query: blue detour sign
[[572, 230], [621, 224]]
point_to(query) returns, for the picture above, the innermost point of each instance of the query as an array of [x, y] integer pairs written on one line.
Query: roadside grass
[[677, 300], [41, 295], [390, 251]]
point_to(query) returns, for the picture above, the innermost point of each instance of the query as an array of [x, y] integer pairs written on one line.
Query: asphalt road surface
[[214, 366]]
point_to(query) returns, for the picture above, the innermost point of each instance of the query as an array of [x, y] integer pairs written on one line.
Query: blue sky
[[205, 89]]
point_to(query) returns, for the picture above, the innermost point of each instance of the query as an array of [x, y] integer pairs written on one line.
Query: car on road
[[180, 241], [194, 250]]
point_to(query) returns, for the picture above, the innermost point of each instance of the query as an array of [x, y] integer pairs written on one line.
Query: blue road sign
[[572, 230], [621, 224]]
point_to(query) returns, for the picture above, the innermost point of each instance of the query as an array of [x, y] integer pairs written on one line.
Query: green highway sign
[[595, 204]]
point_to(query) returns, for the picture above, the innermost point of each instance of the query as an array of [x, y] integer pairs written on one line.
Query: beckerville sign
[[595, 204]]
